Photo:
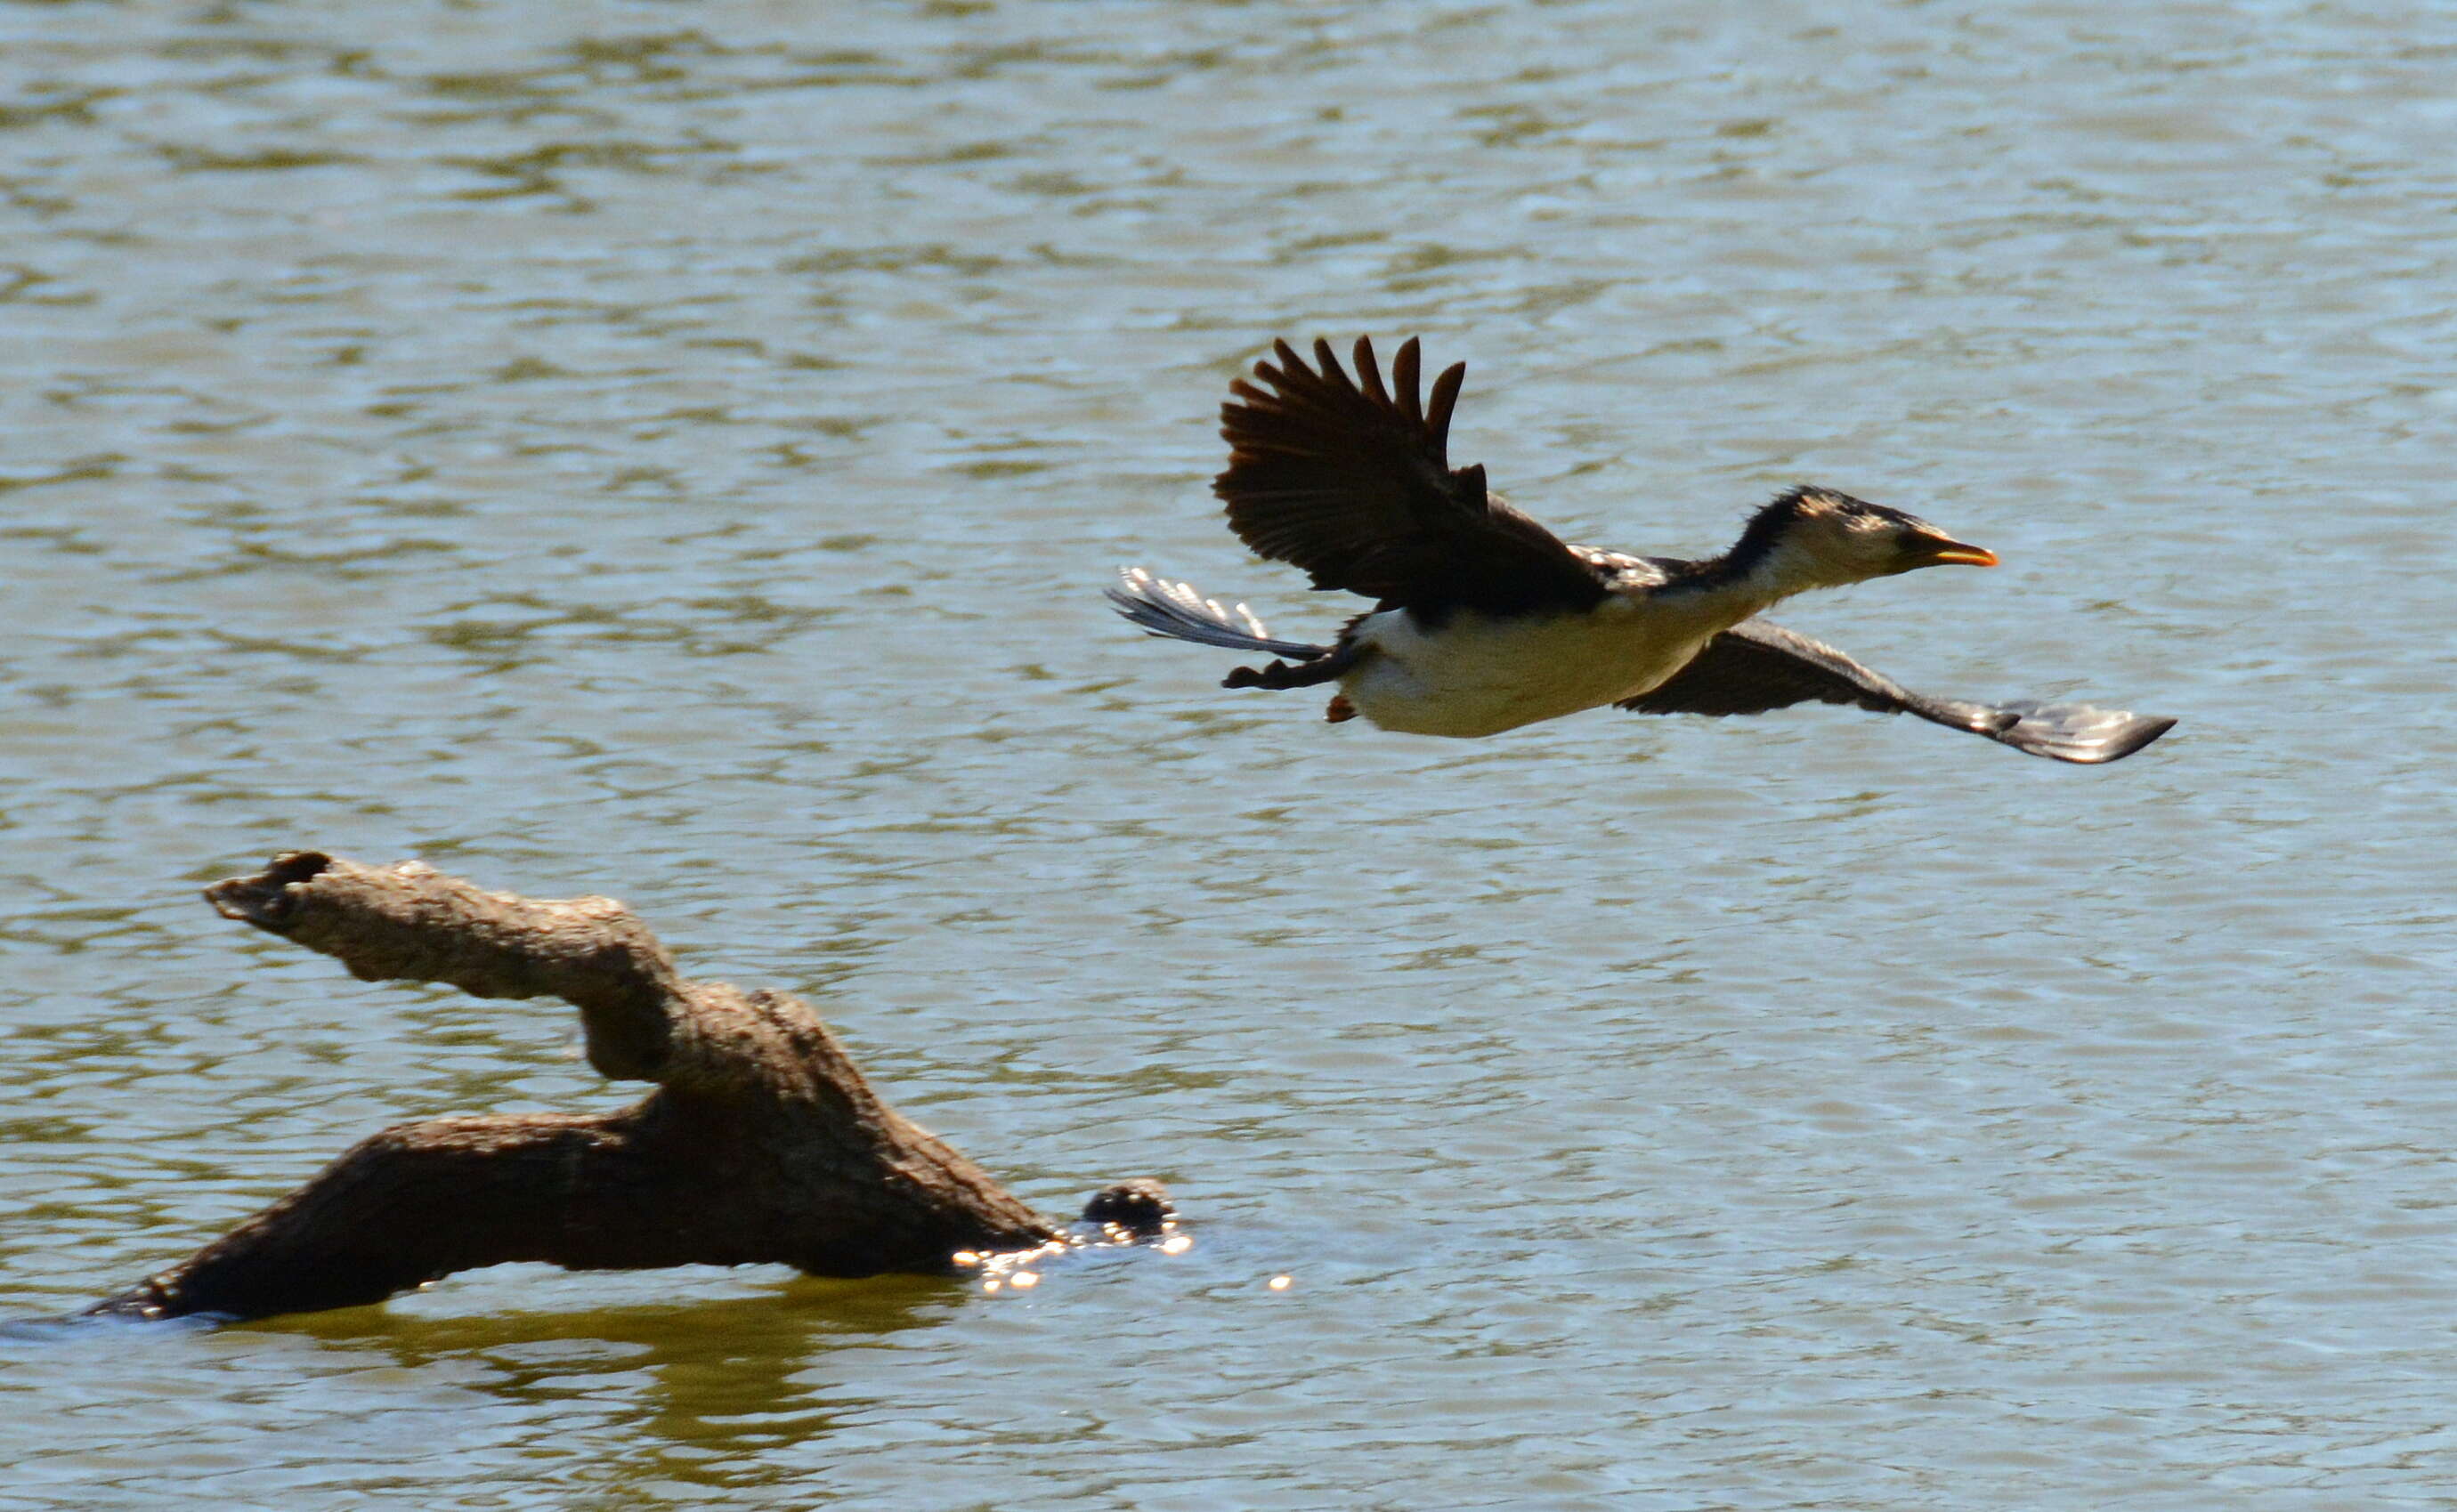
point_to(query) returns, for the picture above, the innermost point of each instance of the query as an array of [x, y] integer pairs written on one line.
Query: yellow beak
[[1943, 552]]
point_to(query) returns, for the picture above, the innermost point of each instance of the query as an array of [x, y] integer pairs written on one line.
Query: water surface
[[672, 450]]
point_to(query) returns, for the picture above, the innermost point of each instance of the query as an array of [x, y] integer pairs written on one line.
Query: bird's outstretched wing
[[1756, 666], [1352, 481]]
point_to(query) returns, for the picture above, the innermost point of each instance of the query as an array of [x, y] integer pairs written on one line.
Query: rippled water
[[675, 449]]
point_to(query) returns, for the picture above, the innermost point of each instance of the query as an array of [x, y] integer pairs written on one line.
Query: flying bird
[[1485, 621]]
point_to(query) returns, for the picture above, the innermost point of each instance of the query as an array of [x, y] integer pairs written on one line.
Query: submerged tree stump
[[762, 1143]]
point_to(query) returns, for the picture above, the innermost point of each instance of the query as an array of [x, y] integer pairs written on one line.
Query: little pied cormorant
[[1485, 621]]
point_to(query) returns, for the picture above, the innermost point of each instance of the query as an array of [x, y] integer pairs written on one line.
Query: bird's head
[[1815, 538]]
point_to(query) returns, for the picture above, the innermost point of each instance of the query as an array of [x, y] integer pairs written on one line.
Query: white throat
[[1792, 568]]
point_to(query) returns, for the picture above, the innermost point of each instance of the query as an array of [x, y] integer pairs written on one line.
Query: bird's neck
[[1757, 574]]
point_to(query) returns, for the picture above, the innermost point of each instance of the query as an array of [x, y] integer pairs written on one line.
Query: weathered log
[[762, 1143]]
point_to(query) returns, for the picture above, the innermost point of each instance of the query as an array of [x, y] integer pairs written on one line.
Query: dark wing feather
[[1756, 666], [1352, 481]]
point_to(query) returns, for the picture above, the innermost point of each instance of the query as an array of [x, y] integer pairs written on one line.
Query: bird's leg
[[1299, 674]]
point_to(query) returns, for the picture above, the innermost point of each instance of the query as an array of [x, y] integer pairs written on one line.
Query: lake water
[[675, 450]]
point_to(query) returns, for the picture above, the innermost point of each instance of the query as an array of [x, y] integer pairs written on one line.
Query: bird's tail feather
[[1174, 609]]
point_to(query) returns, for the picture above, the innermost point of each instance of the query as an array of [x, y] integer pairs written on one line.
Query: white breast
[[1480, 674]]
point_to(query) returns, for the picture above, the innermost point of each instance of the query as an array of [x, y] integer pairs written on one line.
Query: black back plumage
[[1351, 480]]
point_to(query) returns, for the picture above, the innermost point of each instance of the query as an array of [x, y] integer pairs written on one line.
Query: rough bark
[[762, 1143]]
